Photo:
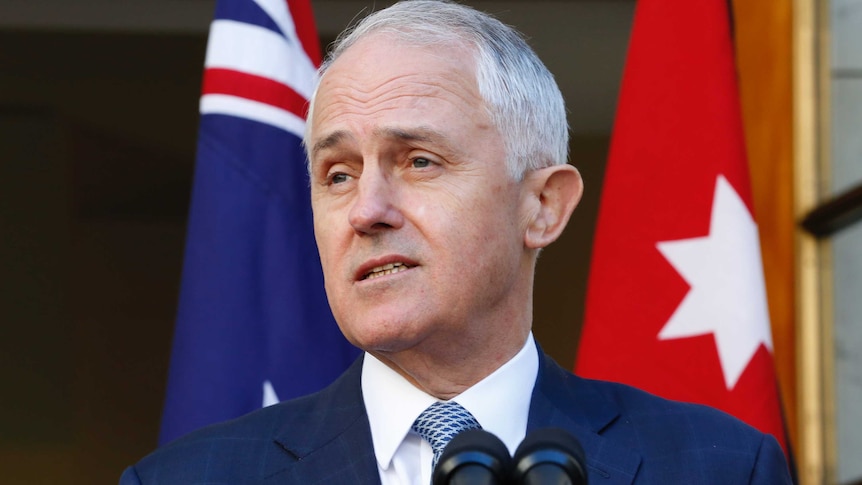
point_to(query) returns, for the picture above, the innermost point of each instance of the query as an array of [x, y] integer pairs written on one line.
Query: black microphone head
[[476, 452], [550, 449]]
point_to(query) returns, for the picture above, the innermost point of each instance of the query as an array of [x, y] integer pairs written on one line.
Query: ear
[[553, 193]]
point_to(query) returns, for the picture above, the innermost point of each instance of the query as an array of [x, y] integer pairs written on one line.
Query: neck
[[446, 372]]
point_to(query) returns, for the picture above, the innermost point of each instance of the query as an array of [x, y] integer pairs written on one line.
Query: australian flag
[[253, 324]]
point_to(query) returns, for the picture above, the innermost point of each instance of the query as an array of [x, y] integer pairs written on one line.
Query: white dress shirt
[[499, 402]]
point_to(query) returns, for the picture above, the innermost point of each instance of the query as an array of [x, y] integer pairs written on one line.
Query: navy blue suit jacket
[[629, 437]]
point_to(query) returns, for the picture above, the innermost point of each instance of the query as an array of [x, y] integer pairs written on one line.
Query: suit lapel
[[565, 401], [326, 438]]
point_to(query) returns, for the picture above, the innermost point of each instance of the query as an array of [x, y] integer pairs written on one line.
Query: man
[[437, 146]]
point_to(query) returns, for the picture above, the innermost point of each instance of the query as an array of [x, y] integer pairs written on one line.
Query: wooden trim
[[816, 449]]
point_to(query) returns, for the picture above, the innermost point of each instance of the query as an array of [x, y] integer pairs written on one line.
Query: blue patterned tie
[[440, 423]]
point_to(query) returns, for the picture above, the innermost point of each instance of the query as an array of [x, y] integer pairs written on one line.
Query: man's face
[[419, 226]]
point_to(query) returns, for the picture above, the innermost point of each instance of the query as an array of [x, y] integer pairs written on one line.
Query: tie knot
[[441, 422]]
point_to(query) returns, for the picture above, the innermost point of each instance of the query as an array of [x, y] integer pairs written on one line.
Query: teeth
[[385, 270]]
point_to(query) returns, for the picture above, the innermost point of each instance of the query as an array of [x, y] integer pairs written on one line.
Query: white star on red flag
[[727, 296]]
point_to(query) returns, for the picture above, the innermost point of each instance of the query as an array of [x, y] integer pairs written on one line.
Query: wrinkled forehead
[[367, 64], [368, 52], [377, 68], [405, 36]]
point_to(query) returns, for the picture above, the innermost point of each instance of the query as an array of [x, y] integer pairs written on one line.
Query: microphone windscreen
[[474, 456], [549, 451]]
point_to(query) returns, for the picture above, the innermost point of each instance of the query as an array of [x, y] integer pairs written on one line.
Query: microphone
[[473, 457], [549, 456]]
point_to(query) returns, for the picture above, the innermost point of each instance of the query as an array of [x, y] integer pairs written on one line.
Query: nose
[[375, 207]]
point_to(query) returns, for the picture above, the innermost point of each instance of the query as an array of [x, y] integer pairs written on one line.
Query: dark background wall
[[97, 137]]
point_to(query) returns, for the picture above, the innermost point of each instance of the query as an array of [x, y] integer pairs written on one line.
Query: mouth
[[384, 270]]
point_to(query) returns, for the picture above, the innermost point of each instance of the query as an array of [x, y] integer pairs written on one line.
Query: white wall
[[846, 168]]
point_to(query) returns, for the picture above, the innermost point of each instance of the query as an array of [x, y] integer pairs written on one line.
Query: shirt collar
[[391, 418]]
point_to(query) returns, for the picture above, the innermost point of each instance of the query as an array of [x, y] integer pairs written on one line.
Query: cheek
[[326, 235], [422, 211], [496, 234], [320, 236], [438, 216]]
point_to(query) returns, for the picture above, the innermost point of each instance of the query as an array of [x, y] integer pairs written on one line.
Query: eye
[[338, 178], [420, 162]]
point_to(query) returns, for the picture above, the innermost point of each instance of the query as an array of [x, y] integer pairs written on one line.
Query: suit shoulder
[[643, 420], [675, 424], [207, 452], [237, 450], [667, 431], [251, 447]]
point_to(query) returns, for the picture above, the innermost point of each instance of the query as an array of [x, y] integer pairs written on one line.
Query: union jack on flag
[[260, 64], [253, 325]]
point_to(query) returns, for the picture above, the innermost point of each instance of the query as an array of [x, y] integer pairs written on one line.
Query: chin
[[380, 336]]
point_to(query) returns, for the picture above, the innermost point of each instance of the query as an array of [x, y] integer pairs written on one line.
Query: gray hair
[[521, 95]]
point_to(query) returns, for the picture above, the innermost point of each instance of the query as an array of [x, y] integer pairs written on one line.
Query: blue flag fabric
[[253, 324]]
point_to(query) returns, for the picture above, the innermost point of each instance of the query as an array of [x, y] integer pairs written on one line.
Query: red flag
[[676, 302]]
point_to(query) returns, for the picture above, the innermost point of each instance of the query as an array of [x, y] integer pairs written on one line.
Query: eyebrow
[[328, 141]]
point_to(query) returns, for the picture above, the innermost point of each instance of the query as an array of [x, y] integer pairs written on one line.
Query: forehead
[[374, 55], [381, 78]]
